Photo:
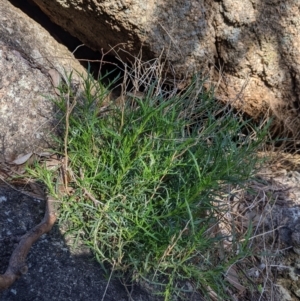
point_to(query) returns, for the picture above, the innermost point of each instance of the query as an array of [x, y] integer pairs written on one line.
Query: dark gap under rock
[[84, 54]]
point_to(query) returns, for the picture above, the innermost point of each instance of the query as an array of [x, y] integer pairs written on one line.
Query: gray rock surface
[[250, 48], [27, 53], [56, 271]]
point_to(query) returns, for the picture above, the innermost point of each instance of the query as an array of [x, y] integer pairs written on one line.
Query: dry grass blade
[[254, 276], [156, 163]]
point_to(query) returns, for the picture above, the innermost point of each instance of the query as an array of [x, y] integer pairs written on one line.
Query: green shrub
[[146, 180]]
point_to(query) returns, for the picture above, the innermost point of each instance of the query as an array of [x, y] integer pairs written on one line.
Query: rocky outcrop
[[27, 54], [249, 47]]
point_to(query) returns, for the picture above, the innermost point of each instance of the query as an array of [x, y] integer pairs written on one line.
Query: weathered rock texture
[[250, 47], [27, 53]]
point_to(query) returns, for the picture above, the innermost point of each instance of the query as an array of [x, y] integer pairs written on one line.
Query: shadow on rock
[[55, 272]]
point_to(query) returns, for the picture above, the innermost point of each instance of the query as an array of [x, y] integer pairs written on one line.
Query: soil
[[274, 209], [55, 270], [59, 270]]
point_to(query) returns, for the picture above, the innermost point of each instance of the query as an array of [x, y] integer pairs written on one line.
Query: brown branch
[[17, 263]]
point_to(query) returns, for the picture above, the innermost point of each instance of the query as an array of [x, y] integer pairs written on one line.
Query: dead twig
[[17, 263]]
